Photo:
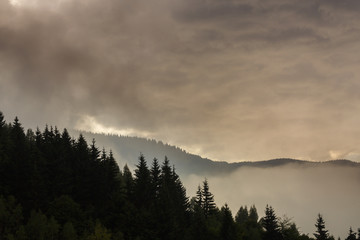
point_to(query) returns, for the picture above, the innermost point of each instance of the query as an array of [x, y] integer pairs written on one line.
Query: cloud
[[240, 80]]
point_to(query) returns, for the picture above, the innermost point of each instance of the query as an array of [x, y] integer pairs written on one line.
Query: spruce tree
[[227, 230], [321, 233], [94, 151], [155, 174], [351, 236], [128, 182], [271, 225], [208, 200], [242, 215], [2, 121], [199, 198], [142, 187], [253, 215]]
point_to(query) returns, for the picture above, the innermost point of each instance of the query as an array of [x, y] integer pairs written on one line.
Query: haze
[[299, 193], [229, 80]]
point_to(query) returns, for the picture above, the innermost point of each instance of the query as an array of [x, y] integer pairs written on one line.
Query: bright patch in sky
[[15, 2], [90, 124]]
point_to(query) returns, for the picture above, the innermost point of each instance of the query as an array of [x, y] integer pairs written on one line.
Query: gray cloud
[[233, 80]]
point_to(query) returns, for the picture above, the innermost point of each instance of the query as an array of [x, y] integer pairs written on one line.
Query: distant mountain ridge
[[127, 150]]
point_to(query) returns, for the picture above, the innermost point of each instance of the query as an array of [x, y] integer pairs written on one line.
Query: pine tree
[[82, 149], [94, 151], [155, 174], [253, 215], [208, 200], [199, 198], [352, 235], [227, 230], [128, 182], [2, 121], [321, 233], [142, 187], [4, 143], [181, 200], [288, 229], [242, 215], [271, 225]]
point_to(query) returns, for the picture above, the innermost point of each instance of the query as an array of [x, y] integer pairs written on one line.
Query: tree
[[113, 172], [128, 181], [94, 151], [227, 230], [242, 215], [288, 229], [142, 187], [38, 227], [10, 216], [253, 215], [321, 233], [199, 198], [271, 224], [68, 232], [155, 174], [351, 236], [100, 233], [208, 200], [2, 121]]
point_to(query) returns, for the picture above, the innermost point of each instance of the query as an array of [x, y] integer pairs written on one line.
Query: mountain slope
[[127, 150]]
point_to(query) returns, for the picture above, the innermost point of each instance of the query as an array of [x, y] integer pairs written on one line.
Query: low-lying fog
[[299, 193]]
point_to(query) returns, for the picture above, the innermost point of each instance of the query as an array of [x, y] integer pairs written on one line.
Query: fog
[[300, 193]]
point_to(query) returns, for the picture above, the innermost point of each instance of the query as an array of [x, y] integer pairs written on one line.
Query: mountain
[[127, 150]]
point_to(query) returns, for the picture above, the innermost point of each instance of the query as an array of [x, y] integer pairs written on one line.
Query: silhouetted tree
[[321, 233], [155, 174], [242, 215], [253, 215], [288, 229], [208, 200], [271, 225], [128, 182], [94, 151], [351, 236], [142, 187], [227, 230], [199, 201]]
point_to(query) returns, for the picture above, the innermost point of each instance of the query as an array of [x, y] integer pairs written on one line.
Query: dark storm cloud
[[232, 80]]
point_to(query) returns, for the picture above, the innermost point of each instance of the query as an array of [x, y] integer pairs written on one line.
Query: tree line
[[55, 187]]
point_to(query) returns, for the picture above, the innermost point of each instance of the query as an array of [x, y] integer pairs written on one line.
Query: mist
[[300, 193]]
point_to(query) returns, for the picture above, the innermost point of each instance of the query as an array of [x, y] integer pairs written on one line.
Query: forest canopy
[[55, 187]]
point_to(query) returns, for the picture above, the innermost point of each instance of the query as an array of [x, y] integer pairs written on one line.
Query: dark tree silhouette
[[208, 200], [242, 215], [351, 236], [271, 225], [321, 233]]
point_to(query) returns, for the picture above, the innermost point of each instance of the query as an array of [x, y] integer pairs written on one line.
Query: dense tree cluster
[[55, 187]]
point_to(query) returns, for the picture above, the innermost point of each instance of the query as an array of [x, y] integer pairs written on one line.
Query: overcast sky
[[230, 80]]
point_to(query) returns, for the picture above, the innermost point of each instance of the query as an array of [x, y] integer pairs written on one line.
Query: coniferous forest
[[55, 187]]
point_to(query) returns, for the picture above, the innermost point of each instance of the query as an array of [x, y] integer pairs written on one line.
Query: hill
[[127, 150]]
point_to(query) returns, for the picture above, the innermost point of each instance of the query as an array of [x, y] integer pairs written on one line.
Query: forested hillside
[[126, 149], [55, 187]]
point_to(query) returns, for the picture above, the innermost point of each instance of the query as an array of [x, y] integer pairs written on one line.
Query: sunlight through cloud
[[90, 124]]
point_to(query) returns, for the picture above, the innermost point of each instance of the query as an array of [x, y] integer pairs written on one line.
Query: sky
[[235, 80]]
